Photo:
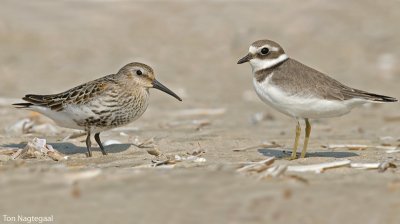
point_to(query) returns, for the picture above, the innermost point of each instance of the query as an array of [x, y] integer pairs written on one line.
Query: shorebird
[[102, 104], [299, 91]]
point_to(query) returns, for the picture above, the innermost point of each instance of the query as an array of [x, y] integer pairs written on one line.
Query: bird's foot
[[104, 152], [292, 156]]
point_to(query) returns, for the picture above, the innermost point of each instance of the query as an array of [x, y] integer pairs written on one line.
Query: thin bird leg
[[308, 131], [296, 141], [88, 144], [97, 138]]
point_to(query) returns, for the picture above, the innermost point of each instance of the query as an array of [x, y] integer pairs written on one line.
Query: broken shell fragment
[[348, 146], [154, 152], [318, 168], [37, 148], [258, 166]]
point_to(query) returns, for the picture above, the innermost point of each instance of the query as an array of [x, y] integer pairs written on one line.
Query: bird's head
[[264, 54], [142, 75]]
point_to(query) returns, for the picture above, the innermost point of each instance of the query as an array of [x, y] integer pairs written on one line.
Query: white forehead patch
[[274, 49], [259, 64], [254, 50]]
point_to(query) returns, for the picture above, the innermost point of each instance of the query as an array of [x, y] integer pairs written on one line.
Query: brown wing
[[77, 95], [335, 90], [307, 81], [356, 93]]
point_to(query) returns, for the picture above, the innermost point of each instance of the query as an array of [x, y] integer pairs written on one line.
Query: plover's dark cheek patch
[[264, 56], [270, 55]]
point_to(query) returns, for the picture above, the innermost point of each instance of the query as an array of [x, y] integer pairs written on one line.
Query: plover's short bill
[[300, 91], [102, 104]]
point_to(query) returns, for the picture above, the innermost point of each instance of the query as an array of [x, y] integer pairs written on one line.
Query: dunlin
[[102, 104], [300, 91]]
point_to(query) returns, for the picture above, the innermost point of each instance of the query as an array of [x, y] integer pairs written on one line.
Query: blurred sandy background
[[50, 46]]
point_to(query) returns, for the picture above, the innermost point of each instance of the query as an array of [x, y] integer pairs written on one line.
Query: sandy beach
[[182, 162]]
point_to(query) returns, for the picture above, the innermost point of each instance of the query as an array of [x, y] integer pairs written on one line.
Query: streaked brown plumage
[[102, 104]]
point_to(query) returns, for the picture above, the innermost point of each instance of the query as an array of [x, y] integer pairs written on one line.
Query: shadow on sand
[[67, 148], [282, 153]]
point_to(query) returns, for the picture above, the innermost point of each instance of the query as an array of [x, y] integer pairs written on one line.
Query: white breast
[[301, 106]]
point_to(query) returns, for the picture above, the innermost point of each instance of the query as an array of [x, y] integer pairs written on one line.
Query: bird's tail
[[22, 105], [380, 98], [356, 93], [32, 100]]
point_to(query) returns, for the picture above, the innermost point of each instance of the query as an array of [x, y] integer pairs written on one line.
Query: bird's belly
[[61, 118], [98, 115], [299, 107]]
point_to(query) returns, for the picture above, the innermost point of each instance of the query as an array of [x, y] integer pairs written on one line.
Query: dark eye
[[264, 50], [138, 72]]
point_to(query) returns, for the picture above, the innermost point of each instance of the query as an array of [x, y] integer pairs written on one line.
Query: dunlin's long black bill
[[246, 58], [158, 85]]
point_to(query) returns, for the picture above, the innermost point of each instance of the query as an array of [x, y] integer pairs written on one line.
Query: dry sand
[[48, 46]]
